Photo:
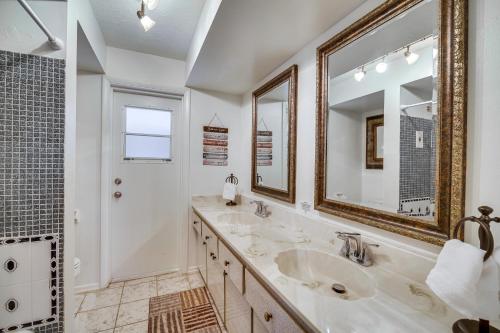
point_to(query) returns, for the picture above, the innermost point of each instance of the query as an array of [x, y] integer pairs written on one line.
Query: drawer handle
[[225, 273], [214, 257], [226, 263], [204, 243], [195, 222], [268, 316], [207, 237], [10, 265], [212, 254]]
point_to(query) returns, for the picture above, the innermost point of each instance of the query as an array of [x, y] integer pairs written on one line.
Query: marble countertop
[[398, 300]]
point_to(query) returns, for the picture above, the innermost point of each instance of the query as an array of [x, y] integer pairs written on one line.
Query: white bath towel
[[456, 275], [229, 192], [488, 290]]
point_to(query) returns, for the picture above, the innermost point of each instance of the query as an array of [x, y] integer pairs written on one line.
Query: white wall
[[19, 33], [146, 70], [271, 113], [483, 156], [209, 180], [88, 170]]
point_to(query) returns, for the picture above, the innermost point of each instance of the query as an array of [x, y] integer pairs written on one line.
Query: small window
[[148, 134]]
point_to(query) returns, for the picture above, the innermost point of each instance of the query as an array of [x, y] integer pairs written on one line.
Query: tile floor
[[123, 307]]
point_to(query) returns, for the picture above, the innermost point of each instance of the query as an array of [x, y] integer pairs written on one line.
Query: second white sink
[[319, 272]]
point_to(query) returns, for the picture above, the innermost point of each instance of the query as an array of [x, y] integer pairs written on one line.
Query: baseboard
[[86, 287], [140, 276]]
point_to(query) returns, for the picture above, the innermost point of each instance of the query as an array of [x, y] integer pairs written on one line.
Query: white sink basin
[[238, 219], [319, 271]]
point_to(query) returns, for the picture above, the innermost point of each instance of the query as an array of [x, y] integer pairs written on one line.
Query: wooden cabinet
[[215, 278], [241, 301]]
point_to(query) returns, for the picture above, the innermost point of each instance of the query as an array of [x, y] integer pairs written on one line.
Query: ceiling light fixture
[[151, 4], [411, 57], [146, 21], [360, 74], [381, 66]]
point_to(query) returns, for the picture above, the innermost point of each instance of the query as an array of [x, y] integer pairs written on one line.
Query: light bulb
[[147, 22], [411, 57], [151, 4], [381, 67], [359, 75]]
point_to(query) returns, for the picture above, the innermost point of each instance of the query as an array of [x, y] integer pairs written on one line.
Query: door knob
[[118, 181], [117, 195]]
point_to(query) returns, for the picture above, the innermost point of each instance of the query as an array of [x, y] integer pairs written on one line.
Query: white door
[[144, 228]]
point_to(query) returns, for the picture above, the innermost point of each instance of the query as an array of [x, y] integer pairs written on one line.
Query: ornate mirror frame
[[290, 75], [452, 103]]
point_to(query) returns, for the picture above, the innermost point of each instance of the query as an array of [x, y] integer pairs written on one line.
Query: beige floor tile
[[134, 312], [195, 280], [141, 327], [115, 284], [169, 275], [139, 281], [78, 301], [139, 291], [169, 286], [101, 298], [96, 320]]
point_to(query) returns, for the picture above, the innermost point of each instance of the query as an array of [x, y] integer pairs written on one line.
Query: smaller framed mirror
[[375, 142], [274, 136]]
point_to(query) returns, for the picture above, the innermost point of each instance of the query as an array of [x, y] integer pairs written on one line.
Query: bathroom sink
[[238, 219], [326, 274]]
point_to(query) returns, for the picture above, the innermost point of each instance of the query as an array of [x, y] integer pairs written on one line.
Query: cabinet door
[[257, 325], [238, 312], [202, 257], [215, 277]]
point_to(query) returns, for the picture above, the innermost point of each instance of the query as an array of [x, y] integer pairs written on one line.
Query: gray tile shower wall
[[417, 165], [32, 152]]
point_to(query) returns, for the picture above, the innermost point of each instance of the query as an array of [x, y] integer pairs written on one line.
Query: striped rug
[[188, 311]]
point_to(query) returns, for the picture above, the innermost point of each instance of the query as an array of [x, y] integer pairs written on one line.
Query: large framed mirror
[[274, 136], [404, 65]]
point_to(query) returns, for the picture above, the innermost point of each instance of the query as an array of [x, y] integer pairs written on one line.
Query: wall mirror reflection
[[379, 120], [273, 162]]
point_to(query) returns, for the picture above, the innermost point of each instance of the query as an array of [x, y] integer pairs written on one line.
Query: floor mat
[[187, 311]]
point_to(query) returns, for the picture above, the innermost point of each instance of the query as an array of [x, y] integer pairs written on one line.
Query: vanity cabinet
[[241, 301]]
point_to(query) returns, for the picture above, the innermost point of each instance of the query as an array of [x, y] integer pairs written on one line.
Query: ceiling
[[249, 39], [176, 22], [373, 101], [418, 22]]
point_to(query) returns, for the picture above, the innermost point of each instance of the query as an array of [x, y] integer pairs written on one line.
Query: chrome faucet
[[261, 210], [355, 249]]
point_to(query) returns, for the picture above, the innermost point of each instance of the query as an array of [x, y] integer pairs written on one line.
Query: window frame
[[124, 158]]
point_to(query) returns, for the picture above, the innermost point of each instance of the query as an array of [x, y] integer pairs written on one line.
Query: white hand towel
[[455, 277], [229, 192], [488, 290]]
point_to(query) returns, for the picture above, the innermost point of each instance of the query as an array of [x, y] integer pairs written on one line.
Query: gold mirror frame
[[452, 104], [290, 75]]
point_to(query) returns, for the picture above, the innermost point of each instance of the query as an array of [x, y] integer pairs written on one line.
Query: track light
[[146, 21], [381, 66], [360, 74], [411, 57]]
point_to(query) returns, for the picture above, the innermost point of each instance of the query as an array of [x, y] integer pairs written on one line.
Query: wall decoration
[[264, 148], [215, 144]]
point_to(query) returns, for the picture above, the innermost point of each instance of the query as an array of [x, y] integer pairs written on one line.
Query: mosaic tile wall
[[32, 152], [417, 165]]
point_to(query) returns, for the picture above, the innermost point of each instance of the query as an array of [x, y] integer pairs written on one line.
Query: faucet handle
[[366, 256], [344, 235]]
